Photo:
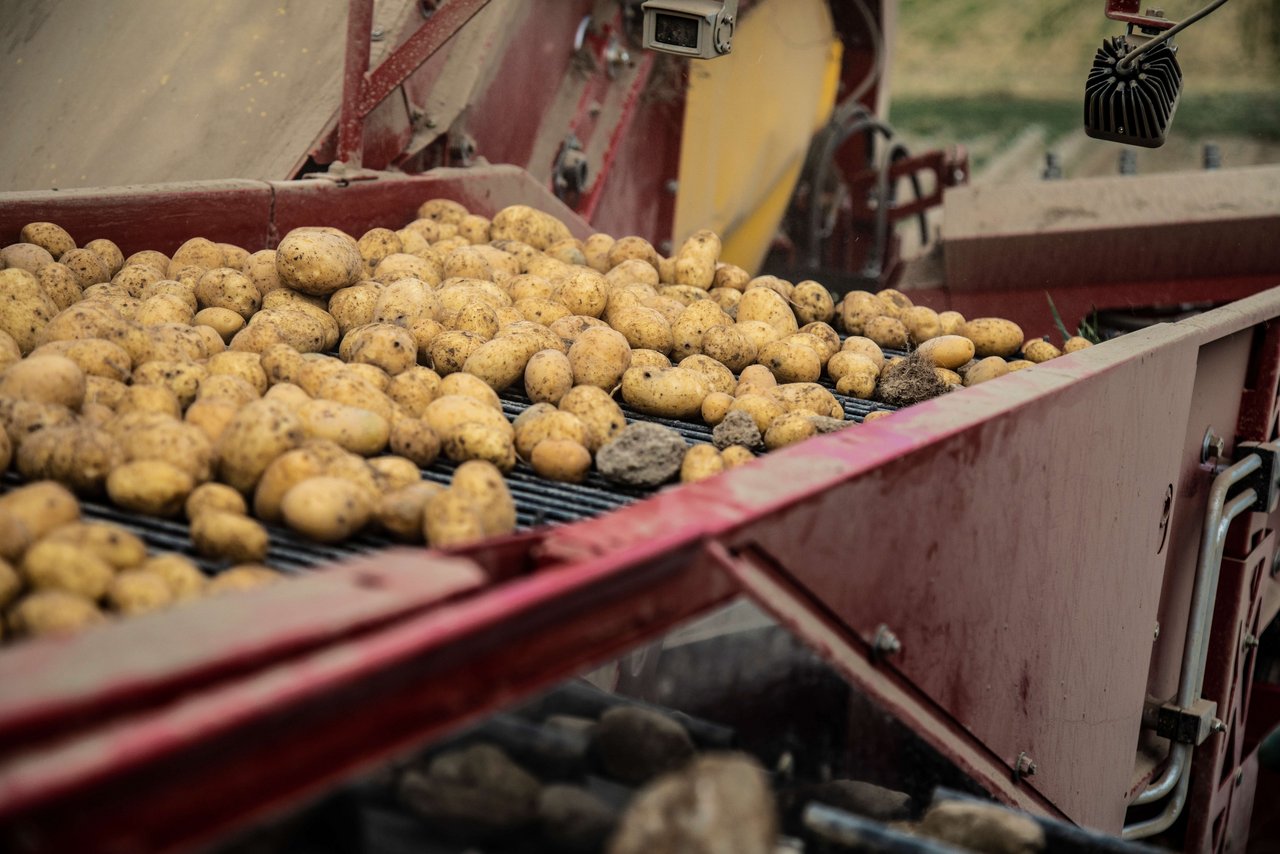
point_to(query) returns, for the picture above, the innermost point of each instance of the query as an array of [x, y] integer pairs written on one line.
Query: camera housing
[[701, 29]]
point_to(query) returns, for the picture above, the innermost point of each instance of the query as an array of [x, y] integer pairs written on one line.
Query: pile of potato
[[60, 573], [206, 383]]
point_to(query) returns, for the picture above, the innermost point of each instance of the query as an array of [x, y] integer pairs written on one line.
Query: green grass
[[1227, 114]]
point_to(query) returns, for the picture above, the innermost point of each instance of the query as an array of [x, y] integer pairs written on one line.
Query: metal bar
[[351, 117], [847, 830], [443, 24]]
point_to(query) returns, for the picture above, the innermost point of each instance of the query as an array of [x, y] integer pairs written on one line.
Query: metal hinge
[[1188, 726]]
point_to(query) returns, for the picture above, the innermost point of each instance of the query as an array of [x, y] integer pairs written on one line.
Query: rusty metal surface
[[1097, 231], [256, 214]]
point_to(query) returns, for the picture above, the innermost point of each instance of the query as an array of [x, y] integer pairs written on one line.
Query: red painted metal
[[364, 90], [1129, 11]]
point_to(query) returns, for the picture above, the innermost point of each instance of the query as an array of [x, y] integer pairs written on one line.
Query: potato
[[695, 261], [45, 379], [950, 321], [584, 292], [393, 472], [993, 336], [223, 287], [377, 244], [400, 511], [807, 397], [10, 584], [716, 376], [158, 437], [730, 346], [258, 434], [198, 252], [1038, 350], [767, 306], [632, 272], [989, 368], [951, 378], [502, 361], [21, 418], [79, 457], [352, 428], [475, 441], [599, 358], [692, 324], [483, 486], [442, 211], [139, 280], [649, 359], [414, 439], [527, 225], [922, 323], [26, 310], [9, 352], [671, 393], [291, 468], [61, 284], [94, 356], [755, 378], [450, 519], [791, 361], [715, 406], [157, 261], [561, 460], [212, 415], [644, 328], [762, 409], [181, 378], [240, 578], [812, 302], [633, 249], [25, 256], [54, 565], [1075, 344], [326, 509], [50, 237], [183, 578], [598, 411], [449, 350], [857, 308], [371, 374], [151, 487], [53, 612], [787, 429], [400, 302], [736, 455], [229, 536], [467, 385], [888, 332], [549, 424], [854, 373], [226, 388], [596, 249], [318, 262], [701, 462], [947, 351], [38, 508], [214, 496], [136, 591]]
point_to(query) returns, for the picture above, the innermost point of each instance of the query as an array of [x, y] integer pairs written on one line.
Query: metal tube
[[1166, 818], [1218, 519]]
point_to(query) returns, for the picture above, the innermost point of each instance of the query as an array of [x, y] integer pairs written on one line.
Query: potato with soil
[[502, 361], [990, 368], [767, 306], [701, 462], [854, 373], [475, 441], [527, 225], [669, 393], [350, 427], [54, 565], [791, 361], [25, 256], [262, 431], [414, 389], [237, 579], [53, 612], [33, 511], [150, 487], [450, 519], [214, 496], [78, 456], [695, 261], [326, 509], [26, 310], [887, 332], [599, 358], [384, 345], [1038, 350], [318, 262], [400, 511], [450, 350], [230, 289], [482, 484], [993, 336], [548, 376], [947, 351], [135, 592], [229, 536]]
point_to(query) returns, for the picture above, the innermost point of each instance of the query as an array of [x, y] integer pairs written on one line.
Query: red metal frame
[[1129, 11], [363, 90]]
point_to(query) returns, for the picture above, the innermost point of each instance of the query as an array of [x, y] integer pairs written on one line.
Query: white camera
[[697, 28]]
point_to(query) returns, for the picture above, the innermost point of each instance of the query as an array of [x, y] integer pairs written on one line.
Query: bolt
[[1216, 725], [1250, 640], [1239, 776], [671, 186], [1213, 446], [885, 642], [1024, 766], [1157, 632], [377, 34]]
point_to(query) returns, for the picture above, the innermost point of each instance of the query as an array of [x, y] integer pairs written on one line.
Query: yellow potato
[[54, 565], [947, 351], [1020, 365], [527, 225], [701, 462], [562, 460], [400, 511], [598, 411], [414, 389], [53, 612], [181, 378], [61, 284], [475, 441], [451, 519], [383, 345], [888, 332], [183, 578], [318, 262], [394, 472], [922, 323], [736, 455], [450, 350], [730, 346], [584, 292], [137, 591], [762, 409], [25, 256], [896, 298], [759, 333], [371, 374], [1038, 350], [599, 358], [990, 368], [781, 287], [36, 509], [45, 379], [448, 413], [951, 378], [766, 305], [791, 361], [951, 322], [692, 324], [151, 487], [262, 431], [715, 406], [414, 439], [812, 303], [548, 376], [549, 424], [596, 250], [808, 397], [755, 378], [87, 267], [326, 509], [671, 393], [1076, 344], [10, 583], [993, 336], [229, 536], [787, 429], [502, 361], [695, 262], [483, 486], [214, 496], [857, 309], [352, 428], [241, 578], [224, 287], [119, 548], [466, 385]]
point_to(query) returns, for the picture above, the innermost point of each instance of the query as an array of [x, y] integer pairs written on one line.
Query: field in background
[[1007, 79]]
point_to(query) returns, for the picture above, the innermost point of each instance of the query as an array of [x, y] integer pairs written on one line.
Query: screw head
[[1157, 631], [1024, 765], [1216, 725], [885, 642]]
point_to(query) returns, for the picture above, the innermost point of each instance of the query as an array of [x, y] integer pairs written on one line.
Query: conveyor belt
[[538, 501]]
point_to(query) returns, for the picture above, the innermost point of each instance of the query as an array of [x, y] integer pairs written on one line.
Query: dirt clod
[[738, 428], [909, 381], [643, 455]]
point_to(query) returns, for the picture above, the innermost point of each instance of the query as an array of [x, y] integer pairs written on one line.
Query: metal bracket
[[342, 174], [1266, 480], [569, 174], [1188, 726]]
